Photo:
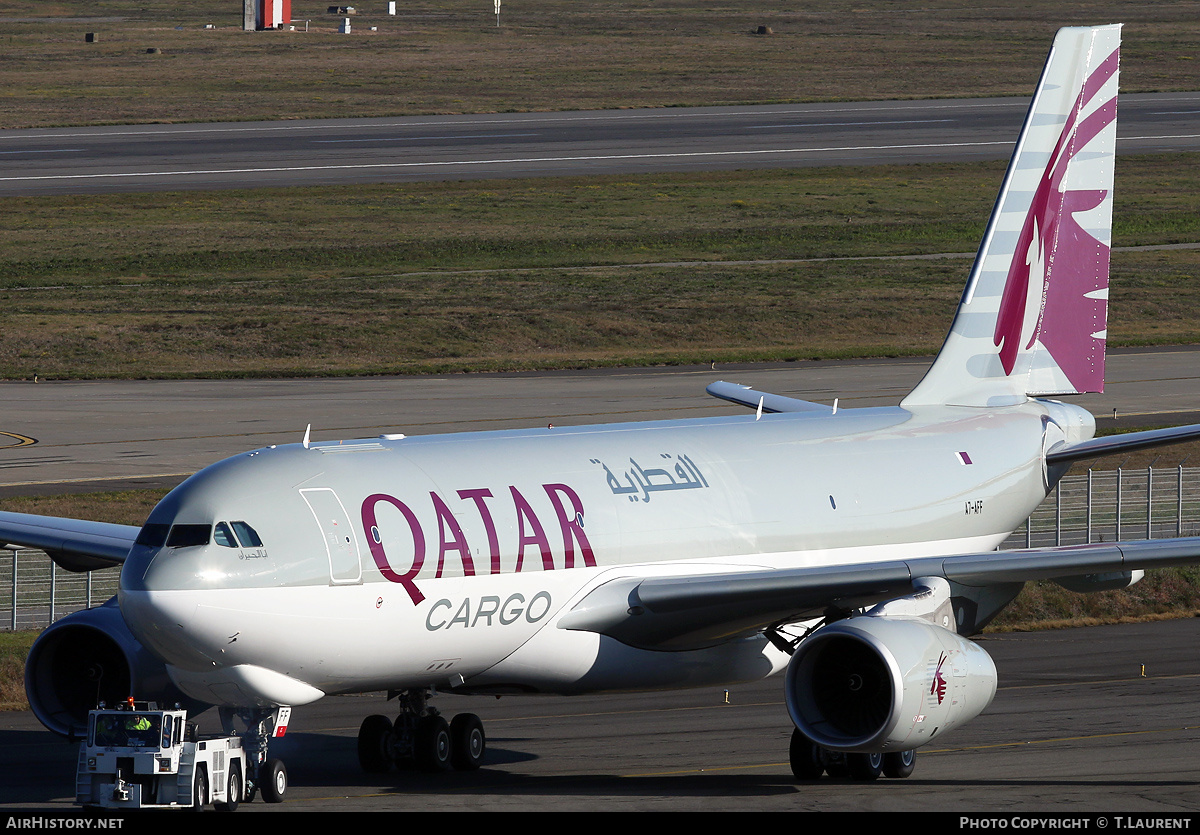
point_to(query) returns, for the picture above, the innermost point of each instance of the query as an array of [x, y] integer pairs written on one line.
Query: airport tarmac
[[1085, 721], [1104, 719], [68, 436], [133, 158]]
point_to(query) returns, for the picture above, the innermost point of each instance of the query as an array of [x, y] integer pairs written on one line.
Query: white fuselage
[[447, 560]]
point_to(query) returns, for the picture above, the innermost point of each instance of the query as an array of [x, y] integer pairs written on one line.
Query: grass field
[[448, 56], [547, 273], [14, 646], [556, 272]]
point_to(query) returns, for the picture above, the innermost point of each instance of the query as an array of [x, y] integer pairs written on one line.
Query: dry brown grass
[[1163, 594], [1071, 623], [121, 507], [521, 274], [448, 56], [14, 646]]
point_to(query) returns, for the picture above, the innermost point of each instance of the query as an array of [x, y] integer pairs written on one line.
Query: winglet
[[1032, 320]]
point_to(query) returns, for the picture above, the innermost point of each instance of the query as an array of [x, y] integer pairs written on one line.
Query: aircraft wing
[[771, 403], [75, 544], [677, 613], [1128, 442]]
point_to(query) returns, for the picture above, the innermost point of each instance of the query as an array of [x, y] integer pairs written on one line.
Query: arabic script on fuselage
[[638, 482]]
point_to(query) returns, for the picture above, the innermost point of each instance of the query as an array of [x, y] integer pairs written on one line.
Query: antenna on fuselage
[[307, 432]]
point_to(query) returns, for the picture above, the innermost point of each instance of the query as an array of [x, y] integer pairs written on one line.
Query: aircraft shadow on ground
[[37, 767], [332, 761]]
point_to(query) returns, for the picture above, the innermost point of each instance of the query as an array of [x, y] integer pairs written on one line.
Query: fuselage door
[[340, 542]]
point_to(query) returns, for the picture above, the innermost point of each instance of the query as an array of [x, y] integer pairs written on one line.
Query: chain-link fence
[[1096, 506], [1114, 505], [34, 592]]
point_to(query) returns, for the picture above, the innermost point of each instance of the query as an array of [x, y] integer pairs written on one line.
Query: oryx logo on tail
[[1032, 321], [1058, 266]]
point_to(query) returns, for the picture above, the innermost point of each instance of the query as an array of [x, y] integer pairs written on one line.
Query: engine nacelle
[[873, 684], [91, 657]]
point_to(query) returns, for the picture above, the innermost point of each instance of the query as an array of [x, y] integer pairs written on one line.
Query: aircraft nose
[[133, 571], [158, 599], [160, 619], [167, 568], [199, 565]]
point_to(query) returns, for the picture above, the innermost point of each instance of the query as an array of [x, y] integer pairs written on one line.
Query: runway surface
[[1088, 720], [1076, 727], [62, 436], [247, 155]]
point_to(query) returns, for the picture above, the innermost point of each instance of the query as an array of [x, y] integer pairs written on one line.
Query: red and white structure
[[268, 14]]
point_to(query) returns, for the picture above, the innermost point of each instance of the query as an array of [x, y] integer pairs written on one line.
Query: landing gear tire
[[805, 757], [375, 744], [835, 764], [432, 745], [864, 767], [233, 791], [899, 763], [468, 742], [200, 791], [273, 781]]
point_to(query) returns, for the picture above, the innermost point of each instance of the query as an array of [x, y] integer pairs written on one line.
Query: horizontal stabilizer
[[1128, 442], [771, 403], [75, 544], [681, 613]]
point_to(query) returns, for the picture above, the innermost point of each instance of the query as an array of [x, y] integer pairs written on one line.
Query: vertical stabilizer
[[1033, 318]]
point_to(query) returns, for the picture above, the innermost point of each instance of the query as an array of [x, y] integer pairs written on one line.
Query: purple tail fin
[[1033, 318]]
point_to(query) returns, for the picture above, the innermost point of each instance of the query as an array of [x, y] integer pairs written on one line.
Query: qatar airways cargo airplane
[[852, 549]]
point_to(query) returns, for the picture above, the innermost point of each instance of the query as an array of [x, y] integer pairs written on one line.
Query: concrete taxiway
[[1092, 720], [345, 151], [123, 434]]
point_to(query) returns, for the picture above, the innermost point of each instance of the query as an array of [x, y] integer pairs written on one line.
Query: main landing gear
[[265, 775], [809, 761], [421, 738]]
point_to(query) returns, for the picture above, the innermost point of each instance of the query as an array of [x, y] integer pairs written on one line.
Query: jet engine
[[873, 685], [91, 657]]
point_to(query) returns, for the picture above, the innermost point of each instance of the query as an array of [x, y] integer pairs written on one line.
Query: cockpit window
[[153, 536], [223, 536], [186, 536], [246, 535], [226, 534]]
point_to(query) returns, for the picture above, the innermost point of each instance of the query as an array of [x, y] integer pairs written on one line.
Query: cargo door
[[340, 542]]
